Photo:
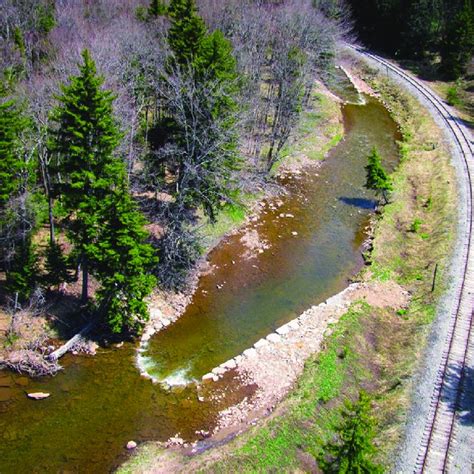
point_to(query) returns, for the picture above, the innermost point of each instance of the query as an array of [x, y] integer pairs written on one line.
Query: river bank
[[380, 346]]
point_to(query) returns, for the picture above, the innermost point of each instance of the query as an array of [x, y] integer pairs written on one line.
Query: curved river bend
[[98, 404]]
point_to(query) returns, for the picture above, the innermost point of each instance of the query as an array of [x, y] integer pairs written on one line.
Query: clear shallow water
[[100, 403]]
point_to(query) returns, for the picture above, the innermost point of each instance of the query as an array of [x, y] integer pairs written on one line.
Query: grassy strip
[[374, 349], [317, 131]]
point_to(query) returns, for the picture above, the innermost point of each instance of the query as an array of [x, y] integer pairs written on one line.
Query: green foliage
[[83, 141], [12, 123], [452, 96], [415, 225], [19, 41], [353, 451], [186, 32], [122, 262], [103, 222], [45, 16], [157, 8], [417, 28], [458, 41], [23, 271], [377, 178]]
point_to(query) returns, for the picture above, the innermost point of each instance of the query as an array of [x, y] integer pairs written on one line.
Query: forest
[[440, 30], [126, 126]]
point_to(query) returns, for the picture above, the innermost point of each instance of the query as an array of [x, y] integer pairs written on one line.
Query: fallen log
[[80, 336]]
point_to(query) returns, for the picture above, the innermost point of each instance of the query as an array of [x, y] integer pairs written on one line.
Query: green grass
[[319, 129], [231, 217]]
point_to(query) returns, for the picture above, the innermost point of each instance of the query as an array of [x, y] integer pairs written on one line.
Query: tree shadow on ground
[[464, 405], [65, 313]]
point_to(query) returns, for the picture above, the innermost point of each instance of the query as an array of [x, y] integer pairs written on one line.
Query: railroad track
[[439, 432]]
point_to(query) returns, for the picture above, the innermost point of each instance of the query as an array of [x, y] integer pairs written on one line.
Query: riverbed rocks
[[175, 440], [131, 445], [253, 243]]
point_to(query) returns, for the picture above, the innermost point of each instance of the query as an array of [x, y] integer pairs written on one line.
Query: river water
[[99, 403]]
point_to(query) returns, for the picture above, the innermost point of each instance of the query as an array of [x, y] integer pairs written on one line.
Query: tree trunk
[[52, 236], [85, 280]]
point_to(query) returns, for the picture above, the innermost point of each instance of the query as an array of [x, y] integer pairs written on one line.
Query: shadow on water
[[99, 403], [361, 203]]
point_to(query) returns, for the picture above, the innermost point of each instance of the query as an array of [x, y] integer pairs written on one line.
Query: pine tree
[[16, 216], [123, 261], [56, 265], [84, 141], [215, 64], [186, 32], [12, 123], [377, 178], [157, 8], [352, 452], [23, 270]]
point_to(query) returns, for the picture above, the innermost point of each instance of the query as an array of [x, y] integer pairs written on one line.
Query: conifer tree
[[186, 32], [56, 265], [352, 452], [215, 64], [11, 124], [377, 178], [123, 261], [104, 223], [84, 140], [16, 217], [157, 8], [22, 274]]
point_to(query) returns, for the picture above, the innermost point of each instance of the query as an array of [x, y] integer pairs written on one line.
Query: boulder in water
[[131, 445], [38, 395]]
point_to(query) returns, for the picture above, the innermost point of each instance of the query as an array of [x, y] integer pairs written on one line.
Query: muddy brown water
[[99, 403]]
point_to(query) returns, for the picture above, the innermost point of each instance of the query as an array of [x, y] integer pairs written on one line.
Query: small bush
[[415, 225], [452, 96]]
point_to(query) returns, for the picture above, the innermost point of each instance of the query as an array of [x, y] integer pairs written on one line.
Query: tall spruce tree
[[83, 140], [186, 32], [352, 451], [123, 262], [104, 223]]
